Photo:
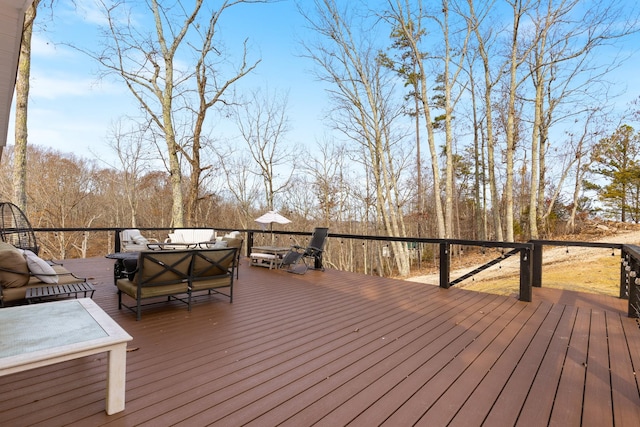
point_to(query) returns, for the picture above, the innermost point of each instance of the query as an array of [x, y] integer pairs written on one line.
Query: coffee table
[[43, 334]]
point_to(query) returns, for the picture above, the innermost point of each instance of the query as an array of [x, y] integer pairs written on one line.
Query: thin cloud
[[43, 47], [49, 86]]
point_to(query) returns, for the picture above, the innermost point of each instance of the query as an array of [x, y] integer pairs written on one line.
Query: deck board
[[533, 336], [510, 344], [465, 369], [567, 408], [374, 374], [625, 397], [506, 407], [597, 395], [334, 348]]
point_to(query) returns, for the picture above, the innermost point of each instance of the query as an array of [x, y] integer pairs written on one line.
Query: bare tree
[[212, 90], [579, 161], [242, 185], [492, 75], [327, 171], [516, 58], [361, 90], [564, 81], [453, 59], [263, 125], [63, 197], [130, 148], [147, 63], [408, 26]]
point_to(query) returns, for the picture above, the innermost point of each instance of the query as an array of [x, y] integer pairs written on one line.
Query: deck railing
[[630, 278], [530, 265]]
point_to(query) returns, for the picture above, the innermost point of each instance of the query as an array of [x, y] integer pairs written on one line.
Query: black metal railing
[[530, 265], [630, 278]]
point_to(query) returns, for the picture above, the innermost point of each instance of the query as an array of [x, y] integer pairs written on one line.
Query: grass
[[600, 276]]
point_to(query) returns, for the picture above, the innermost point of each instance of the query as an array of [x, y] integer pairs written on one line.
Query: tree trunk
[[511, 130], [411, 30], [488, 105], [22, 103], [535, 155], [448, 107]]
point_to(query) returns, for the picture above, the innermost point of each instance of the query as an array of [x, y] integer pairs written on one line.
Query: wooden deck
[[333, 348]]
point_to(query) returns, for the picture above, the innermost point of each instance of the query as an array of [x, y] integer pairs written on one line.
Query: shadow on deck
[[337, 348]]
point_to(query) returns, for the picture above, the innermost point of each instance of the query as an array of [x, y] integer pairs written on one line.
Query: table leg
[[116, 379], [117, 271]]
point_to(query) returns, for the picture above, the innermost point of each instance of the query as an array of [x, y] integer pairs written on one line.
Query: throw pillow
[[233, 243], [40, 268], [140, 240], [11, 258], [219, 245]]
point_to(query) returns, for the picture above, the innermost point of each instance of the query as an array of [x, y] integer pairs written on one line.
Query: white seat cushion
[[262, 256]]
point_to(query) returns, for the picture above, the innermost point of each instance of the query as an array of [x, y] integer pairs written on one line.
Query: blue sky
[[71, 110]]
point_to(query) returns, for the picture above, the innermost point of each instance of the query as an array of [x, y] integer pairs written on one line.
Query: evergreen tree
[[617, 159]]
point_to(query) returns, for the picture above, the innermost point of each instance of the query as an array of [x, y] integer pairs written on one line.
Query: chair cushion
[[211, 263], [154, 268], [40, 267], [131, 289], [192, 236], [11, 258], [258, 255], [224, 281]]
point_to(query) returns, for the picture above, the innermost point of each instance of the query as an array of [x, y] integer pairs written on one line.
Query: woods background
[[484, 120]]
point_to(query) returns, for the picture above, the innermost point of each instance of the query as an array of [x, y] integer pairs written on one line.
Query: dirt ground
[[581, 269]]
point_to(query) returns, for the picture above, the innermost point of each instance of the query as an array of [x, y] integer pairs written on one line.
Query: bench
[[263, 260], [177, 275]]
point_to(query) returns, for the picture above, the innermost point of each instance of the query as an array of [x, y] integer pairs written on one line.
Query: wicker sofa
[[22, 269], [178, 275]]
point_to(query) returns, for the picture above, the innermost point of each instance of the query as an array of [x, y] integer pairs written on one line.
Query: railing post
[[525, 275], [633, 310], [116, 241], [445, 264], [625, 288], [249, 242], [633, 306], [633, 291], [536, 269]]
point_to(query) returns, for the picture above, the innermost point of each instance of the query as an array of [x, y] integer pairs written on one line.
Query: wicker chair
[[16, 229]]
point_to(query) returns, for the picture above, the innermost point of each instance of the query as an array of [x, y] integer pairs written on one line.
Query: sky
[[72, 110]]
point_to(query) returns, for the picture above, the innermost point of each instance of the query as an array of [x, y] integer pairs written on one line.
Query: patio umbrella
[[269, 218]]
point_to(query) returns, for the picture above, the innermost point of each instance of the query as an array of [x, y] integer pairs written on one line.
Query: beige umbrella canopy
[[269, 218]]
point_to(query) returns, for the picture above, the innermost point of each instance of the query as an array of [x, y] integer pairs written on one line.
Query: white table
[[38, 335]]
